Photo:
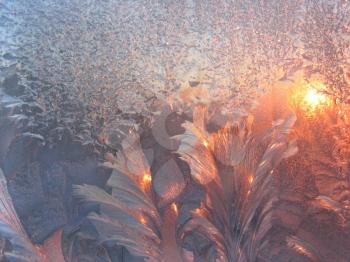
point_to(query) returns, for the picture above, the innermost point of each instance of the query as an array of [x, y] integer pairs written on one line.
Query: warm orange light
[[300, 249], [205, 143], [310, 97], [174, 208], [250, 179], [147, 178], [199, 211], [142, 220], [314, 98]]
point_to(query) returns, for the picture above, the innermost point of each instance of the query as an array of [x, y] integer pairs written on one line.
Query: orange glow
[[250, 179], [174, 208], [145, 181], [314, 98], [198, 211], [300, 249], [310, 97], [205, 143], [147, 178], [142, 220]]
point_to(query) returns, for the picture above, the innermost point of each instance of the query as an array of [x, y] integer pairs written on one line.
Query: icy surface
[[118, 56]]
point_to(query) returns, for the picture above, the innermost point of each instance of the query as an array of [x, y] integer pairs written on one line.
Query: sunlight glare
[[314, 98], [147, 178]]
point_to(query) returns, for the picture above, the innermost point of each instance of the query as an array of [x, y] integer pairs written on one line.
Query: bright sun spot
[[310, 97], [314, 98]]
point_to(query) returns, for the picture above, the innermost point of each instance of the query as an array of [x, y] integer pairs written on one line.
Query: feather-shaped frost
[[230, 144], [169, 182], [304, 248], [129, 216], [132, 160], [195, 150], [237, 212], [11, 228]]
